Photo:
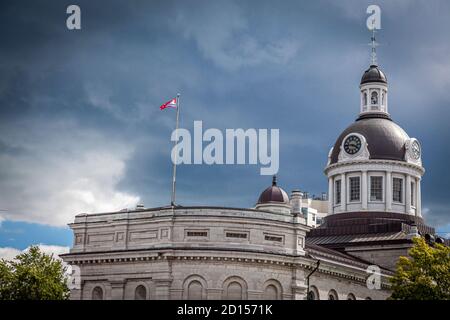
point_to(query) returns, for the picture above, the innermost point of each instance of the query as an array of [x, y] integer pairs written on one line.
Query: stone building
[[271, 251]]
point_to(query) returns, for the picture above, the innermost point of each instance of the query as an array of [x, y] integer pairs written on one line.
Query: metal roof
[[356, 238], [373, 74], [385, 139]]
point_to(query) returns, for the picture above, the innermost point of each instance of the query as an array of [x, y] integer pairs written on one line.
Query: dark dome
[[373, 74], [385, 139], [273, 194]]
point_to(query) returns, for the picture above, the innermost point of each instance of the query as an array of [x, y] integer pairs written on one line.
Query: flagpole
[[174, 174]]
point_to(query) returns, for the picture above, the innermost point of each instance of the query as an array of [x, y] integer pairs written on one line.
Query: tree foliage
[[33, 275], [424, 275]]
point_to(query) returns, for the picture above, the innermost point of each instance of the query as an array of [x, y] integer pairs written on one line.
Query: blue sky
[[81, 131]]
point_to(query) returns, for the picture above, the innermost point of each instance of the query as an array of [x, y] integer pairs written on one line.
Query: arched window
[[234, 291], [351, 296], [383, 98], [234, 288], [313, 294], [374, 97], [365, 98], [97, 293], [332, 295], [140, 293], [195, 290], [271, 292]]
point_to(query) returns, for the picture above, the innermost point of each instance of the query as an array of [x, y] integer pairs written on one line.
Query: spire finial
[[374, 45], [274, 180]]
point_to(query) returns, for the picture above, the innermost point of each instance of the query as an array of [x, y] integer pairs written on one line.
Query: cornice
[[307, 263], [348, 163]]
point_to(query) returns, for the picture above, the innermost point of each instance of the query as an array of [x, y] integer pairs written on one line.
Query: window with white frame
[[337, 192], [413, 192], [376, 188], [355, 187], [397, 190]]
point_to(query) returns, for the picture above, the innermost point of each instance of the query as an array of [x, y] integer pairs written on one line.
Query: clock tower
[[374, 165], [374, 173]]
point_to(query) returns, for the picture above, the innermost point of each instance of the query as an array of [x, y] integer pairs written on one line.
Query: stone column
[[330, 195], [298, 284], [162, 288], [364, 190], [386, 100], [75, 294], [117, 290], [418, 199], [343, 193], [255, 295], [408, 195], [214, 293], [176, 294], [388, 191]]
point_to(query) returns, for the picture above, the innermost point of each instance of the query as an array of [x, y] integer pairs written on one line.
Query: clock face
[[415, 150], [352, 144]]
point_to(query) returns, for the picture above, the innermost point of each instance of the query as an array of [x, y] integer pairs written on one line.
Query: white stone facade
[[206, 253], [409, 174]]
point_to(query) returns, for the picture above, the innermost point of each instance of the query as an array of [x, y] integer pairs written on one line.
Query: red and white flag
[[169, 104]]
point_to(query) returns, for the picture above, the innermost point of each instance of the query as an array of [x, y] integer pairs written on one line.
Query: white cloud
[[60, 170], [52, 249], [10, 253]]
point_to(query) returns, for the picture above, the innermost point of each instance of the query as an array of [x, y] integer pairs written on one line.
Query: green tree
[[33, 275], [424, 275]]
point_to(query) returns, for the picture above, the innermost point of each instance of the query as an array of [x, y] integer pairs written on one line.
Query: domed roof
[[373, 74], [385, 139], [273, 194]]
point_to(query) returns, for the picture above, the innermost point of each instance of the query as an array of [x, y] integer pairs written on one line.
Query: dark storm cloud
[[67, 96]]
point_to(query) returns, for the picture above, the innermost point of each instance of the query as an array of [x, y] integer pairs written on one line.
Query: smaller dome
[[373, 74], [273, 194]]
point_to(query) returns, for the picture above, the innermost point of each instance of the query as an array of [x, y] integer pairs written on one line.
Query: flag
[[169, 104]]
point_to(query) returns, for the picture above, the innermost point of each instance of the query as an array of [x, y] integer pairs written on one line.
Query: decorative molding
[[374, 164], [354, 275], [409, 153]]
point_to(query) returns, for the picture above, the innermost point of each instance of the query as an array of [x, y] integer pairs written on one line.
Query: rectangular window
[[354, 188], [236, 235], [337, 192], [413, 191], [397, 190], [376, 188], [197, 234], [273, 238]]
